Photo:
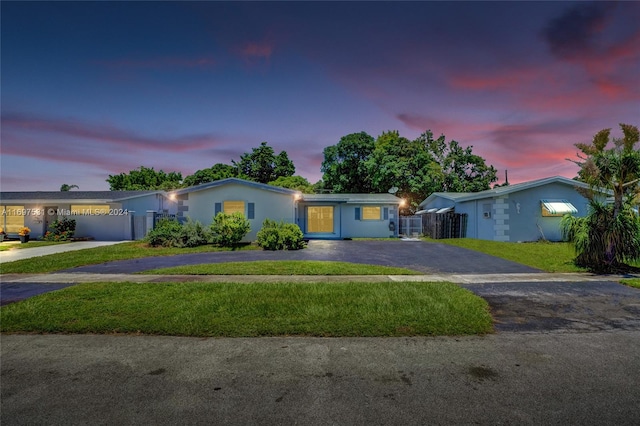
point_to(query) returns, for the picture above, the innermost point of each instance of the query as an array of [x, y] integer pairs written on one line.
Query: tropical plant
[[24, 231], [61, 230], [609, 236]]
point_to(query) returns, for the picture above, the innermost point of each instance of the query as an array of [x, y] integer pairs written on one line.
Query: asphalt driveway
[[416, 255]]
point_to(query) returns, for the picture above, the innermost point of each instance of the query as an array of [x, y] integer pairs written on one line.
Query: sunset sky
[[90, 89]]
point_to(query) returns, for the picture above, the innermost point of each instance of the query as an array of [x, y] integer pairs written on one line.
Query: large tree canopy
[[417, 168], [344, 168], [294, 182], [609, 236], [145, 178], [216, 172], [262, 165]]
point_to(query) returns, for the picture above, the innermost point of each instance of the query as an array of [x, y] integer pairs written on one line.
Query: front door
[[50, 214]]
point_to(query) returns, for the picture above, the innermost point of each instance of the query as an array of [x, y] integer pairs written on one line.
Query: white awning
[[559, 206], [445, 210]]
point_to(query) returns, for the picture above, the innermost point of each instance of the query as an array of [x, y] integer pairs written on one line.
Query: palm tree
[[609, 236], [66, 187]]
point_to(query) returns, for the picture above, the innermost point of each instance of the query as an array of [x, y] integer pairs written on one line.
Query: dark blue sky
[[97, 88]]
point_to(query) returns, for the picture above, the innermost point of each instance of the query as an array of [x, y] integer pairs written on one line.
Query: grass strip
[[283, 267], [92, 256], [549, 257], [248, 310], [631, 282]]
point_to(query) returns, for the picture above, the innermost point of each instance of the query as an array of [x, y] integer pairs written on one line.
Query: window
[[371, 213], [12, 218], [556, 208], [90, 209], [320, 219], [230, 207]]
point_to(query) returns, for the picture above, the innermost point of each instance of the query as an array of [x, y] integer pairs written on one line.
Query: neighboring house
[[527, 211], [102, 215], [332, 216]]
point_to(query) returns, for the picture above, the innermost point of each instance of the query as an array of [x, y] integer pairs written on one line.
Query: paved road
[[501, 379]]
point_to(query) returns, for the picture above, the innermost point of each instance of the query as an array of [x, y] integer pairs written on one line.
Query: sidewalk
[[28, 253]]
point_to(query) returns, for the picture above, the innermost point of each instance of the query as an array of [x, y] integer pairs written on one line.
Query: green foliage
[[216, 172], [294, 182], [344, 167], [262, 165], [60, 230], [166, 233], [64, 187], [280, 236], [609, 237], [144, 178], [604, 242], [416, 167], [171, 233], [229, 229]]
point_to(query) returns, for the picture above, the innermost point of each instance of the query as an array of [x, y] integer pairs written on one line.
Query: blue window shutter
[[251, 210], [218, 209], [357, 213], [385, 213]]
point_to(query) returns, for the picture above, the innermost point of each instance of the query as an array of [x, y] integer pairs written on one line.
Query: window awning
[[559, 206]]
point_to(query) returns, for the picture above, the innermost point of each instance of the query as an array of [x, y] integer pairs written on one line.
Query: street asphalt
[[564, 352]]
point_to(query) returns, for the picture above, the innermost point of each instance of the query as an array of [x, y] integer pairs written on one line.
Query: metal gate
[[410, 226]]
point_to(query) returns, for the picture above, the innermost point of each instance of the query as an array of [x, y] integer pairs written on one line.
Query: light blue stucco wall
[[345, 224], [516, 216], [200, 205]]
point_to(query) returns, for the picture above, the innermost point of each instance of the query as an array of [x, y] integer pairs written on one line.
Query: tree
[[461, 170], [216, 172], [398, 162], [64, 187], [144, 178], [262, 165], [294, 182], [609, 236], [344, 169]]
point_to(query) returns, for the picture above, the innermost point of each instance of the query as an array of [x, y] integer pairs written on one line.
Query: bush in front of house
[[280, 236], [171, 233], [61, 230], [166, 233], [229, 229]]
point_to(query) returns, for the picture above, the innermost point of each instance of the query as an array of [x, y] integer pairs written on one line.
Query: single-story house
[[103, 215], [527, 211], [327, 216]]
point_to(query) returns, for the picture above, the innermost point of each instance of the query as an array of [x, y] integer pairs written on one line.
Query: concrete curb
[[454, 278]]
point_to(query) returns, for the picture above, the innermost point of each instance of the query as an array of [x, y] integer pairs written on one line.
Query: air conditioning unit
[[487, 215]]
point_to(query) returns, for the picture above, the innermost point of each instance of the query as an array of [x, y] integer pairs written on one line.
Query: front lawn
[[92, 256], [283, 267], [550, 257], [245, 310]]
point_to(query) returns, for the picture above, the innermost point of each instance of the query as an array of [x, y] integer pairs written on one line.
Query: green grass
[[632, 282], [92, 256], [284, 267], [550, 257], [246, 310]]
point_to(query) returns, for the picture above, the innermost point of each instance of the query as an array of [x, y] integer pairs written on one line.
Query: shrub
[[61, 230], [166, 233], [229, 229], [194, 234], [280, 236]]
